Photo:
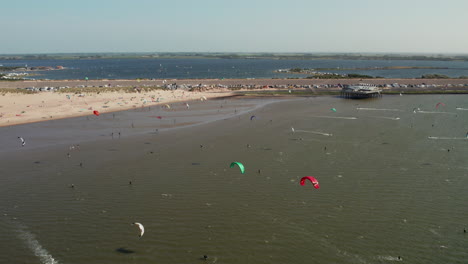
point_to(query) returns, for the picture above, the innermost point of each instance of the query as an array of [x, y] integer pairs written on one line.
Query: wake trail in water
[[378, 109], [463, 109], [452, 138], [433, 112], [36, 247], [337, 117], [389, 258], [315, 132], [386, 117]]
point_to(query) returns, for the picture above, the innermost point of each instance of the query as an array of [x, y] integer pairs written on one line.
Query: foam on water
[[33, 244], [351, 256]]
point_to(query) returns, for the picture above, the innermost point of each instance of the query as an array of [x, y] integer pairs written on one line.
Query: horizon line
[[244, 53]]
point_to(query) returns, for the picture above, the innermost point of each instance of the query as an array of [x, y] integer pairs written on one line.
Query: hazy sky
[[56, 26]]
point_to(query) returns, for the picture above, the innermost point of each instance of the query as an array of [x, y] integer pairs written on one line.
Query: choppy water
[[229, 68], [392, 183]]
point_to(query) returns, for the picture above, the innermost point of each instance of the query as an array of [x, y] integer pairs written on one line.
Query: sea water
[[155, 68], [392, 187]]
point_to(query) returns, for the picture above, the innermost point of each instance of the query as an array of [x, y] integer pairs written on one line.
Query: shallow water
[[392, 183]]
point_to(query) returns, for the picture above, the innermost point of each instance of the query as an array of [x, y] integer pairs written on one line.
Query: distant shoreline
[[388, 85], [239, 55]]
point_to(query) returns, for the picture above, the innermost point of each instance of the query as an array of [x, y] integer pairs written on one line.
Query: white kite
[[142, 228], [22, 141]]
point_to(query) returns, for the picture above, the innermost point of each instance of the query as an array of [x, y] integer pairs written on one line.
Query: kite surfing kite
[[252, 117], [333, 109], [241, 166], [142, 228], [438, 104], [22, 141], [96, 112], [311, 179]]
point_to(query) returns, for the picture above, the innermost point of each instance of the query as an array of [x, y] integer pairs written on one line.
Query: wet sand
[[148, 120]]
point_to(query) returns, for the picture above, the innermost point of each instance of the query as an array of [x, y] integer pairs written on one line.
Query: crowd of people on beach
[[249, 85]]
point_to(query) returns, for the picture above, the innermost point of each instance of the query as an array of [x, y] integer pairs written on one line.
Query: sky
[[330, 26]]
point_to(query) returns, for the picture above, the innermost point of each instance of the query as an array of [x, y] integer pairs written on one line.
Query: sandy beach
[[20, 108]]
